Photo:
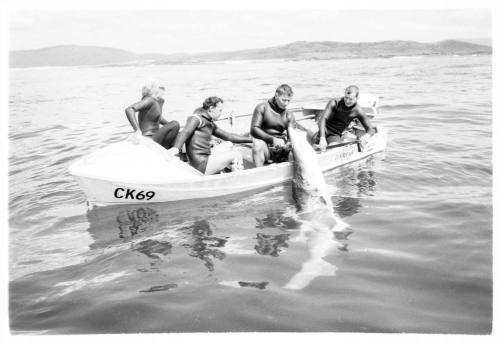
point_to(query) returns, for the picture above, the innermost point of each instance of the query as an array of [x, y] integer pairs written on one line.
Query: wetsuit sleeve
[[218, 132], [327, 112], [191, 125], [363, 119], [163, 121], [256, 125], [138, 106]]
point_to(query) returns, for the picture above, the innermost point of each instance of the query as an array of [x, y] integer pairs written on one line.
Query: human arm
[[327, 112], [162, 119], [138, 106], [369, 128], [291, 119], [191, 125], [256, 127], [363, 119], [219, 133]]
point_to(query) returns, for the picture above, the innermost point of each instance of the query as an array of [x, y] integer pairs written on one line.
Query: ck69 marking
[[126, 193]]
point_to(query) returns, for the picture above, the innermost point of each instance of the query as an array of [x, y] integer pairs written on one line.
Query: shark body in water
[[315, 210], [319, 224]]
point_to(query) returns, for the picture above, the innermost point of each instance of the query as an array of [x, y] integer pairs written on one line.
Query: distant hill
[[70, 55], [74, 55], [334, 50], [480, 41]]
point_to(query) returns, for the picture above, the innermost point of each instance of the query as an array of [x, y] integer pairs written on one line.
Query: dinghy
[[139, 170]]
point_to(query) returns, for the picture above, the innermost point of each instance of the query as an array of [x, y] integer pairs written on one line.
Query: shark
[[315, 211]]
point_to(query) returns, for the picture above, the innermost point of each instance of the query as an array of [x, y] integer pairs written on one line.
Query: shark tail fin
[[311, 270]]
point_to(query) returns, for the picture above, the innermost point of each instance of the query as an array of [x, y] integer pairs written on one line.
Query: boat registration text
[[126, 193]]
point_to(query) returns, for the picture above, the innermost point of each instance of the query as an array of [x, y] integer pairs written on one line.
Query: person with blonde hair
[[150, 116]]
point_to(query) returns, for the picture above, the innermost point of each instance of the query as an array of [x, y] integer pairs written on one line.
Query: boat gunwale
[[257, 170]]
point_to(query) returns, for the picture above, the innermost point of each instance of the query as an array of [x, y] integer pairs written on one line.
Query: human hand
[[323, 144], [278, 142], [364, 140], [173, 151], [135, 137]]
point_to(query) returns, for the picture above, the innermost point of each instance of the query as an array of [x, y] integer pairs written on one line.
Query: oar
[[329, 147], [357, 141], [296, 109]]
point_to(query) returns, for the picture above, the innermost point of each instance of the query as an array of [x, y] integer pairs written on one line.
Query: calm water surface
[[419, 258]]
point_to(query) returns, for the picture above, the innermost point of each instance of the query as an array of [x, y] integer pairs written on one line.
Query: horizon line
[[220, 51]]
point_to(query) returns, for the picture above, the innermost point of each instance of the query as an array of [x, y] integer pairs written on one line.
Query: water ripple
[[419, 258]]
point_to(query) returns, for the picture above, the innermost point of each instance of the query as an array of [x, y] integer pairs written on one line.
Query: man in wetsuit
[[150, 116], [336, 117], [269, 124], [197, 135]]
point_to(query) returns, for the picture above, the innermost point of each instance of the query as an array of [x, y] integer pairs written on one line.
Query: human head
[[351, 95], [213, 105], [283, 96], [154, 89]]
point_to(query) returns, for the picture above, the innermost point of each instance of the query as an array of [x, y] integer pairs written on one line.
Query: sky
[[174, 31]]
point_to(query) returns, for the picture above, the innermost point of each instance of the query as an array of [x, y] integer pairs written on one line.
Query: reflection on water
[[366, 182], [131, 222], [362, 182], [259, 285], [203, 244], [112, 225], [159, 288], [152, 248], [277, 219], [115, 224], [341, 238], [346, 207], [155, 250], [271, 244]]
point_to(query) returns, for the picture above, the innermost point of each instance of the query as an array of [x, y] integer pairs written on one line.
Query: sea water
[[419, 258]]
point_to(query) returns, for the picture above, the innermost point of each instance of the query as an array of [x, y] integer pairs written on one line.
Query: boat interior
[[306, 121]]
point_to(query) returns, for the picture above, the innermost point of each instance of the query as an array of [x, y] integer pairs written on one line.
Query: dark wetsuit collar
[[274, 106], [348, 107], [207, 117]]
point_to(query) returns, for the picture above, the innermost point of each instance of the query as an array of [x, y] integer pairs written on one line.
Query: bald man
[[336, 117]]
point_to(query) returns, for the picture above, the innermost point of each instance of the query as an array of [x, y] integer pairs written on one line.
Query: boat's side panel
[[336, 157], [106, 192], [103, 192]]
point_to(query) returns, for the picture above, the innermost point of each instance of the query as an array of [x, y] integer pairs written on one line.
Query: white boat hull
[[103, 191]]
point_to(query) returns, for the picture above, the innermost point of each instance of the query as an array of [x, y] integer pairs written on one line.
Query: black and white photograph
[[249, 169]]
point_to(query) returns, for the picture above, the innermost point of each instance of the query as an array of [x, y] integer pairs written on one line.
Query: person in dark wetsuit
[[197, 134], [269, 124], [150, 116], [336, 117]]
